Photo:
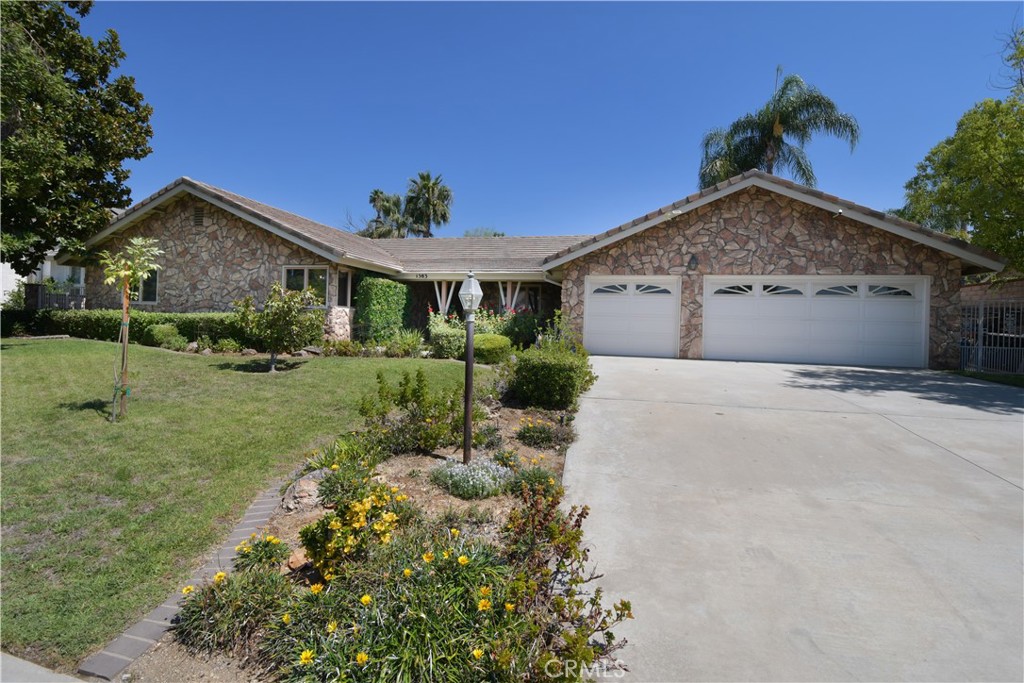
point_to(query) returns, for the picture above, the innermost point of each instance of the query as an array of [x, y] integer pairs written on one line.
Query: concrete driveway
[[787, 522]]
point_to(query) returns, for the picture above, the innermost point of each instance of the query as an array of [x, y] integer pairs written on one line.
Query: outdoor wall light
[[693, 262], [470, 296]]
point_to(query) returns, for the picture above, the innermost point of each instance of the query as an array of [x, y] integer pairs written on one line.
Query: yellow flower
[[328, 576], [407, 572], [316, 588], [483, 605], [401, 498], [287, 619], [478, 653], [332, 626], [510, 606], [533, 461], [428, 420], [428, 557], [385, 539], [187, 589], [218, 577], [445, 554], [306, 658], [240, 547], [454, 533], [366, 599], [551, 480], [394, 489], [274, 539], [335, 467], [362, 658], [485, 591], [463, 560]]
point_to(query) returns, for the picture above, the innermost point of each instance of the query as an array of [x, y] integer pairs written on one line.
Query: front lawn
[[1010, 380], [101, 521]]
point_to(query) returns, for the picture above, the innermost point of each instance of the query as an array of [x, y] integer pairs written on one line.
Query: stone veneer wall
[[756, 232], [206, 268]]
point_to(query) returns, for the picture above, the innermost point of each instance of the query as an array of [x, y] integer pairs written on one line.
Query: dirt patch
[[169, 662]]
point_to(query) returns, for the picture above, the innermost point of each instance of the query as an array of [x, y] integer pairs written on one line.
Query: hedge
[[105, 324], [447, 342], [491, 348], [380, 308], [550, 379]]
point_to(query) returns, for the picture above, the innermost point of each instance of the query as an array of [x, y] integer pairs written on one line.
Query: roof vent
[[198, 215]]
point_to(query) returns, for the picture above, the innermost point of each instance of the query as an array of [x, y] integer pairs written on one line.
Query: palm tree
[[390, 220], [428, 203], [775, 135]]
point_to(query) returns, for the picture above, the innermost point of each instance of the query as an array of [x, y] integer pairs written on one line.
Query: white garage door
[[632, 316], [877, 320]]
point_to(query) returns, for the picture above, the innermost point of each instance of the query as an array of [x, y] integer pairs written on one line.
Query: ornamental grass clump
[[261, 551], [541, 433], [479, 479]]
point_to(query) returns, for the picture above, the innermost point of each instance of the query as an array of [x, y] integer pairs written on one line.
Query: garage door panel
[[854, 320], [632, 316]]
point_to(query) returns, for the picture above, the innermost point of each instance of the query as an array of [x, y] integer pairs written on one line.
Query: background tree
[[483, 232], [284, 324], [972, 183], [127, 269], [427, 203], [66, 128], [774, 136]]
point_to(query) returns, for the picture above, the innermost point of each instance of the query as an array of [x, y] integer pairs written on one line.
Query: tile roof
[[682, 206], [479, 254]]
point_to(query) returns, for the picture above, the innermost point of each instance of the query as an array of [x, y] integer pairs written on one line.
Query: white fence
[[992, 337]]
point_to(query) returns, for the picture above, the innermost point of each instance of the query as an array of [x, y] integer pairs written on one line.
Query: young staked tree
[[68, 120], [774, 136], [285, 323], [127, 269]]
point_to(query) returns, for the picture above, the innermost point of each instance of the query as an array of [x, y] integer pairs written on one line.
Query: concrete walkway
[[785, 522], [15, 670]]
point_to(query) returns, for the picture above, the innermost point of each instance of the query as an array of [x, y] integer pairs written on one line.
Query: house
[[755, 268]]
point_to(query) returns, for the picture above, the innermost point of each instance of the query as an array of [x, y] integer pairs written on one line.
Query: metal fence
[[992, 337], [73, 297]]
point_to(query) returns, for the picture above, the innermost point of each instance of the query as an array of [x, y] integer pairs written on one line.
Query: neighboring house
[[66, 290], [755, 268], [1007, 290]]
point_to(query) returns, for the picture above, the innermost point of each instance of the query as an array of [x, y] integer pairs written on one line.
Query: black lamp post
[[470, 295]]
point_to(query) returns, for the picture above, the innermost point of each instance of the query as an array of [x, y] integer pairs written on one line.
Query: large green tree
[[67, 124], [427, 203], [774, 136], [972, 183]]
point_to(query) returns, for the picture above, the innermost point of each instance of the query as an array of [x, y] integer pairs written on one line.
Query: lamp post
[[470, 295]]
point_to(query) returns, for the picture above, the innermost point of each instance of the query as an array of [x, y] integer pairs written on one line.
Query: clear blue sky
[[543, 118]]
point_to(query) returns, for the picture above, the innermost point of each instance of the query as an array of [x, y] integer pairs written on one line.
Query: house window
[[147, 295], [344, 287], [298, 278]]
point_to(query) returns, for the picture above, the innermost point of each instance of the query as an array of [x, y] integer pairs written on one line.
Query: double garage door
[[856, 320]]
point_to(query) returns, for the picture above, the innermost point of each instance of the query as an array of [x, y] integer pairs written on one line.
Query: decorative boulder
[[304, 493]]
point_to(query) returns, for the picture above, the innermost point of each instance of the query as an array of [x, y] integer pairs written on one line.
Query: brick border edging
[[140, 637]]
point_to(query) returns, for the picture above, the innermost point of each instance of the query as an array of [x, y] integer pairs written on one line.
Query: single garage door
[[632, 316], [877, 320]]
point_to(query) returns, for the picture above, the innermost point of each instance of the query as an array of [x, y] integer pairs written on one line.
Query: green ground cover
[[101, 521]]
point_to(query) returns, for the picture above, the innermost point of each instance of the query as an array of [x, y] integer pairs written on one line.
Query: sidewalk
[[14, 670]]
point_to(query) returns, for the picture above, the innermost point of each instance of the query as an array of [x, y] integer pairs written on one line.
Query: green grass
[[1010, 380], [101, 520]]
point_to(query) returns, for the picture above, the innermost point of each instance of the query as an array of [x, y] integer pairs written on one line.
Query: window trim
[[305, 268]]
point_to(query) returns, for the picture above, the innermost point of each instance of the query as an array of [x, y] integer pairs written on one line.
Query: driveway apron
[[787, 522]]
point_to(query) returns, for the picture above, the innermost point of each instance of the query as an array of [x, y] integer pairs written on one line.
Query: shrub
[[491, 348], [233, 614], [15, 300], [551, 379], [479, 479], [350, 531], [203, 343], [522, 329], [535, 478], [284, 324], [447, 343], [175, 343], [541, 433], [507, 457], [488, 436], [380, 308], [342, 347], [227, 345], [411, 417], [157, 335], [105, 324], [261, 551], [404, 344]]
